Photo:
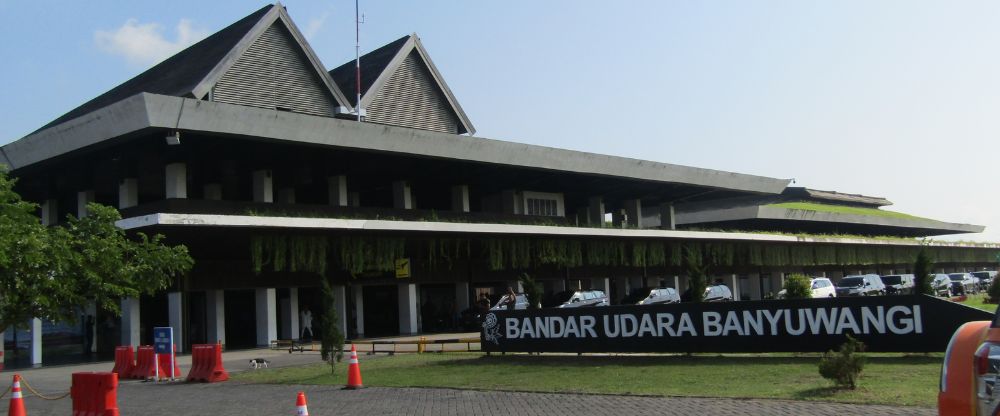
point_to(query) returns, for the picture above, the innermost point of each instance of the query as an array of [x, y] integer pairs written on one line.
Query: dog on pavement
[[256, 363]]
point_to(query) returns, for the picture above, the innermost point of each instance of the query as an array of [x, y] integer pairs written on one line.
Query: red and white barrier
[[124, 361], [206, 364]]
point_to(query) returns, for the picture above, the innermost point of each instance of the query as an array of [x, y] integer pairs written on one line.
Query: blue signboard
[[163, 339]]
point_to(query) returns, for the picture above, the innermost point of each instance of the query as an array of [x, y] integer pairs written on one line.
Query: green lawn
[[979, 301], [887, 379], [841, 209]]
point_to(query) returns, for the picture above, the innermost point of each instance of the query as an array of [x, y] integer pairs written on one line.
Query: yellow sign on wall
[[402, 268]]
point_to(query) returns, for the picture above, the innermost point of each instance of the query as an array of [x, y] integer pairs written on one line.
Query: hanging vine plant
[[292, 253]]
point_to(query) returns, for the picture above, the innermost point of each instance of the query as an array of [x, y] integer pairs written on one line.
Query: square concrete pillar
[[402, 195], [407, 309], [667, 219], [595, 211], [633, 212], [359, 310], [460, 198], [50, 212], [286, 195], [130, 322], [736, 288], [509, 202], [290, 315], [128, 193], [336, 190], [601, 283], [340, 303], [263, 186], [462, 296], [212, 192], [215, 315], [82, 199], [176, 183], [36, 341], [175, 316], [267, 319], [677, 283]]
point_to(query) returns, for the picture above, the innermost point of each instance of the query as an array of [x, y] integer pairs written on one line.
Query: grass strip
[[892, 379]]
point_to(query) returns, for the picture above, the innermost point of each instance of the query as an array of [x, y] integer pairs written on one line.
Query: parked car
[[898, 284], [661, 296], [521, 302], [584, 298], [963, 284], [941, 284], [714, 293], [985, 278], [821, 288], [860, 285]]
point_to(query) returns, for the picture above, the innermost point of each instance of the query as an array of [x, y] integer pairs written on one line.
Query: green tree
[[532, 290], [697, 274], [798, 286], [50, 272], [845, 366], [922, 273], [332, 348]]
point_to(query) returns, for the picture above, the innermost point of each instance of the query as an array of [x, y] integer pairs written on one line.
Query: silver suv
[[583, 298]]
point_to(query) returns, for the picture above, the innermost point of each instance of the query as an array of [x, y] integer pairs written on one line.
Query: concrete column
[[175, 316], [402, 195], [130, 322], [36, 341], [781, 282], [50, 212], [82, 199], [755, 286], [595, 211], [407, 308], [667, 219], [622, 287], [460, 198], [509, 202], [176, 183], [215, 314], [359, 310], [736, 288], [286, 195], [340, 303], [336, 190], [267, 320], [128, 193], [263, 186], [601, 283], [290, 315], [462, 296], [677, 283], [212, 192], [558, 285], [633, 212]]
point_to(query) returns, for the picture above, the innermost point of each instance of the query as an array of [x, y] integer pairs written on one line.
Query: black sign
[[884, 323]]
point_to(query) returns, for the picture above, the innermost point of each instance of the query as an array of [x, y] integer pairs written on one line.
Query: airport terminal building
[[246, 148]]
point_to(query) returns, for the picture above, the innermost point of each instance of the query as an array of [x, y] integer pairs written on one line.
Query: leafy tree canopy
[[52, 272]]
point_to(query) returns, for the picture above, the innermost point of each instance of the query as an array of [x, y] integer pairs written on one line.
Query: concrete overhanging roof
[[152, 111], [755, 212], [306, 223]]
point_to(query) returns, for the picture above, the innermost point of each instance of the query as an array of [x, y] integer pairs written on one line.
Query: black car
[[860, 285], [898, 284]]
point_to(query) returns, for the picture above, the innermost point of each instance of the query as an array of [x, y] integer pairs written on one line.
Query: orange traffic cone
[[16, 401], [353, 371], [300, 405]]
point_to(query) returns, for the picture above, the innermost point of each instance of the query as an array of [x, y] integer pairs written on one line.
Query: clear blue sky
[[899, 99]]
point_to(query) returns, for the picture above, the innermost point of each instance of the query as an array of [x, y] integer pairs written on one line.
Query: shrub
[[798, 286], [844, 366], [921, 273], [994, 290], [532, 291]]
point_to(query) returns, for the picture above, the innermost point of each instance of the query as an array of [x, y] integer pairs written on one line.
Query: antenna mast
[[357, 60]]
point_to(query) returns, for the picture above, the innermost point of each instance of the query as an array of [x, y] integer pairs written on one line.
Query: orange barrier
[[124, 361], [144, 365], [164, 363], [95, 394], [206, 364]]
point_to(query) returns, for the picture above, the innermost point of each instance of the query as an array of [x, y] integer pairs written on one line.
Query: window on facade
[[543, 207]]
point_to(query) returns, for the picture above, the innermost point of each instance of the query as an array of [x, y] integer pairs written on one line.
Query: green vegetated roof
[[841, 209]]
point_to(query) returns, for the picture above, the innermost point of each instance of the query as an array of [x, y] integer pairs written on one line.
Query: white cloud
[[315, 24], [144, 43]]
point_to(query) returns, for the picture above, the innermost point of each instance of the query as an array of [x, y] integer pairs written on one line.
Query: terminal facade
[[246, 149]]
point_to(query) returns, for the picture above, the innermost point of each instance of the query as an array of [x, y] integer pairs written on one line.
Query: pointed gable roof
[[379, 66], [193, 71]]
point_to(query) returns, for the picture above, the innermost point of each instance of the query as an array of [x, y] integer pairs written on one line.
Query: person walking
[[511, 299], [306, 320]]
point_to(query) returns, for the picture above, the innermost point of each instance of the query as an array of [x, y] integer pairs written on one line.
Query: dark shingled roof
[[177, 75], [372, 65]]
